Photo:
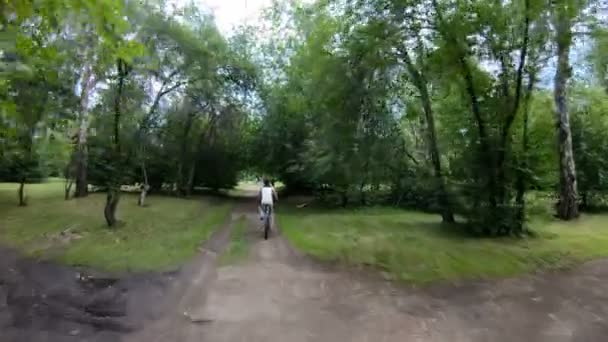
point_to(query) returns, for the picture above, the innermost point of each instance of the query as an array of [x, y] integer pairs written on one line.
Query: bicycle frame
[[267, 215]]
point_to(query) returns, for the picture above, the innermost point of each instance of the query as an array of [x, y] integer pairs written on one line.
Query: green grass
[[416, 248], [248, 188], [158, 237], [238, 249]]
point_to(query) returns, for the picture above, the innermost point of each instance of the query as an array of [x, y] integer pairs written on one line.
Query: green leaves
[[590, 143], [599, 56], [129, 50]]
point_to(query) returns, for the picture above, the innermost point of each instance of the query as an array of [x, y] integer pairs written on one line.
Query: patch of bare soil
[[42, 301], [52, 243]]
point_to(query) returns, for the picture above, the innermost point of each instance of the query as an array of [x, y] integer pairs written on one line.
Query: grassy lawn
[[160, 236], [416, 248], [249, 188], [238, 249]]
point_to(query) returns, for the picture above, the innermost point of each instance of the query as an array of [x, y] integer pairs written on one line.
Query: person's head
[[266, 182]]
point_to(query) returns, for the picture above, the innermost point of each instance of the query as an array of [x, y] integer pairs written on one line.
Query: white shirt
[[267, 197]]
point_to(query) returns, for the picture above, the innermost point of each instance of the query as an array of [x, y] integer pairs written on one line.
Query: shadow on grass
[[456, 230], [464, 230], [595, 209]]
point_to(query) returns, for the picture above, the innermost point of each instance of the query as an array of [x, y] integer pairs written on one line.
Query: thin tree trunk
[[146, 186], [486, 152], [505, 141], [82, 154], [419, 81], [190, 183], [117, 101], [344, 196], [139, 136], [28, 147], [362, 198], [521, 184], [68, 174], [182, 178], [584, 201], [177, 189], [21, 193], [68, 188], [567, 207], [113, 196], [111, 204], [362, 193], [143, 195], [81, 167]]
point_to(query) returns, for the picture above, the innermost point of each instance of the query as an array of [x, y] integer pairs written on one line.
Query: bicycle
[[266, 209]]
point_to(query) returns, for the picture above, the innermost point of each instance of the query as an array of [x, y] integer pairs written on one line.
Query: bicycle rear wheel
[[266, 226]]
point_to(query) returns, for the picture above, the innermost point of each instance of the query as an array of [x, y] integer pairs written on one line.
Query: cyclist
[[266, 197]]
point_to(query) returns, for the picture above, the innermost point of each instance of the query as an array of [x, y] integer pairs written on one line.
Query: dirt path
[[280, 296], [187, 294]]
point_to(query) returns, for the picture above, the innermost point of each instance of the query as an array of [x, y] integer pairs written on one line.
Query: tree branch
[[520, 73], [486, 157], [172, 88]]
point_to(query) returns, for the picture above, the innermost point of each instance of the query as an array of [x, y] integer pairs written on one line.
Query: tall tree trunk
[[68, 188], [567, 207], [28, 148], [521, 183], [140, 138], [112, 199], [68, 174], [486, 152], [190, 183], [81, 167], [584, 200], [487, 157], [146, 187], [505, 141], [344, 198], [205, 137], [420, 82], [82, 154], [21, 193], [113, 196], [182, 178]]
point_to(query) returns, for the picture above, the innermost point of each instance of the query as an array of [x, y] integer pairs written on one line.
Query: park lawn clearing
[[248, 188], [415, 247], [238, 248], [160, 236]]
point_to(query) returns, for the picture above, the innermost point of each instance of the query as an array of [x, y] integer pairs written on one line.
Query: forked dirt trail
[[279, 296]]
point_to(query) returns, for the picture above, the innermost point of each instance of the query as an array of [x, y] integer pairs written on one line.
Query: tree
[[589, 142], [408, 22], [599, 56], [35, 94], [565, 11], [504, 32], [88, 80], [431, 104], [113, 196], [173, 52]]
